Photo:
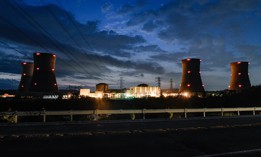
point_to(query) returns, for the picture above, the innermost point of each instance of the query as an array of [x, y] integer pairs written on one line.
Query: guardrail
[[97, 112]]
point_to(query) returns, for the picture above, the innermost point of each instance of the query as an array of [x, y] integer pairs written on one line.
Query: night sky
[[102, 40]]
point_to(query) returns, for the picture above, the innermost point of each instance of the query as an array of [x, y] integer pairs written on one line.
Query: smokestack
[[239, 76], [44, 73], [26, 77], [191, 80]]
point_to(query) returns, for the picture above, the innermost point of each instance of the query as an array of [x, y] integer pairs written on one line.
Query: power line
[[66, 31], [22, 32], [55, 43], [11, 47]]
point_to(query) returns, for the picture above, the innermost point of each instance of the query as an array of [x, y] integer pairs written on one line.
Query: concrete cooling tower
[[191, 80], [239, 76], [43, 79], [27, 73]]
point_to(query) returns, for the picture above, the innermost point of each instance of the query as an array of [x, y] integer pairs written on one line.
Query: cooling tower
[[239, 76], [43, 79], [27, 73], [191, 80], [102, 87]]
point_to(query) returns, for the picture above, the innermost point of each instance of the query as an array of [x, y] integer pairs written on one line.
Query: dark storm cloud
[[106, 7], [170, 57], [149, 26], [251, 52], [6, 83], [10, 64], [208, 28], [148, 48], [128, 8], [52, 29]]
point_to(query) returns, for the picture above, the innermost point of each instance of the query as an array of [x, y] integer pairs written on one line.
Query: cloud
[[106, 7], [149, 26], [8, 84], [143, 43], [81, 49]]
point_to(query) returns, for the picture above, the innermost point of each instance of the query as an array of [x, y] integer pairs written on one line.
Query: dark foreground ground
[[150, 138]]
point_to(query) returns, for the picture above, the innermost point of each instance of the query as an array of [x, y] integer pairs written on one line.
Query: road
[[213, 136], [126, 125]]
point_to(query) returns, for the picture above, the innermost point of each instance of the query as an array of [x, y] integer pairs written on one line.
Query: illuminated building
[[191, 79], [102, 87], [144, 90], [26, 77], [170, 92], [85, 92], [134, 92], [44, 80], [239, 76]]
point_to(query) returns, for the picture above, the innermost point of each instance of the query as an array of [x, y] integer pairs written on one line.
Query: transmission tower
[[171, 84], [121, 83], [158, 81]]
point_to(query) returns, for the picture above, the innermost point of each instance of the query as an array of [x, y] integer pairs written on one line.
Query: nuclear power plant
[[44, 80], [191, 80], [38, 79], [26, 77], [239, 76]]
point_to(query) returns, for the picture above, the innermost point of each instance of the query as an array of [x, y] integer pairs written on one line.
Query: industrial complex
[[38, 80]]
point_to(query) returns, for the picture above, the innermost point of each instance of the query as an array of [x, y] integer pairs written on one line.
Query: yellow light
[[186, 94]]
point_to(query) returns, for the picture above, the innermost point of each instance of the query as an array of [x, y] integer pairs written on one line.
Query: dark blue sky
[[101, 41]]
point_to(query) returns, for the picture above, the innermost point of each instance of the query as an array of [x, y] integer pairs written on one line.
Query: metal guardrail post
[[254, 111], [132, 116], [185, 112], [171, 115], [204, 113], [222, 112], [95, 114], [44, 116], [238, 111], [143, 113]]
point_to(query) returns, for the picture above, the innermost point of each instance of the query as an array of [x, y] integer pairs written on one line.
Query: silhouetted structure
[[102, 87], [26, 77], [239, 76], [43, 79], [143, 85], [191, 80]]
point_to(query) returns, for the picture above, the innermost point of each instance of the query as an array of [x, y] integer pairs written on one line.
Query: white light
[[185, 94]]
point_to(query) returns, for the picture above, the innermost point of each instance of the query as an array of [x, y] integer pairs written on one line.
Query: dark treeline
[[248, 98]]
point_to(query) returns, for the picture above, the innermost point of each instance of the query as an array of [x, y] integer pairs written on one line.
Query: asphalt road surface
[[221, 136]]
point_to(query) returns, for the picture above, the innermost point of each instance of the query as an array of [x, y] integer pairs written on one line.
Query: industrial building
[[239, 76], [142, 90], [26, 77], [191, 79], [44, 80], [102, 87]]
